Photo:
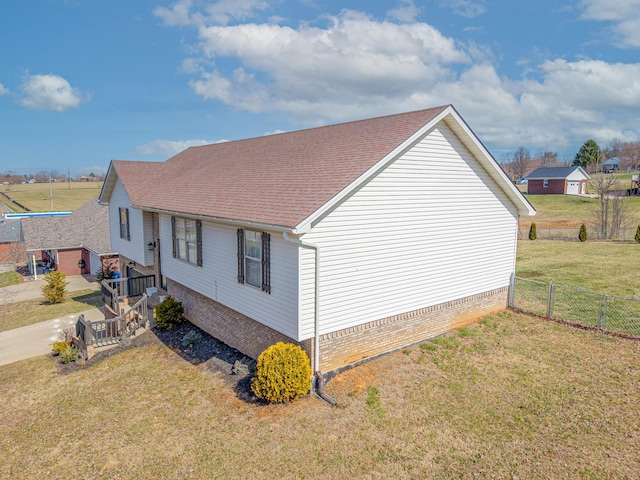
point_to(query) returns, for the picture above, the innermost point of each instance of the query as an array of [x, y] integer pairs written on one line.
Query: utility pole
[[69, 177], [50, 196]]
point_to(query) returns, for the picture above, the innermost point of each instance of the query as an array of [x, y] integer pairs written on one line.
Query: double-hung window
[[187, 239], [254, 263], [124, 223], [545, 183]]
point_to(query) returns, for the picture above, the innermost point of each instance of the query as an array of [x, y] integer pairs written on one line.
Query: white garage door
[[573, 188]]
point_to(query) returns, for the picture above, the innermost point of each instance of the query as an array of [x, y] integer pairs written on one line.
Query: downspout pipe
[[316, 320]]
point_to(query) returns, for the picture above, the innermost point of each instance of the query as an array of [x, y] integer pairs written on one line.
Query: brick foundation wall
[[227, 325], [342, 348]]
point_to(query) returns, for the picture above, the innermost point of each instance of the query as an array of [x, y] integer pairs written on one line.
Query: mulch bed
[[216, 355]]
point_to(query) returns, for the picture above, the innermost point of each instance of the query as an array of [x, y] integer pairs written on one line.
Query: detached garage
[[558, 181]]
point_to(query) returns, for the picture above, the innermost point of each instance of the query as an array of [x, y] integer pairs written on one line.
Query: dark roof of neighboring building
[[10, 231], [554, 172], [87, 227], [283, 179]]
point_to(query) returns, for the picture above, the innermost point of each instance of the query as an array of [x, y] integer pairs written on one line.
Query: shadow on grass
[[93, 299]]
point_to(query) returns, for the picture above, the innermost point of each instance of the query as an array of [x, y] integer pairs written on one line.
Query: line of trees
[[591, 155]]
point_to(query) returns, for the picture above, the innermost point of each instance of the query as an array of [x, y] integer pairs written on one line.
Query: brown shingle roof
[[87, 226], [277, 179]]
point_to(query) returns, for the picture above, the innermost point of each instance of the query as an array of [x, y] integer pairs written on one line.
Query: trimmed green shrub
[[533, 231], [55, 287], [168, 313], [283, 373], [582, 236], [190, 338], [637, 237], [71, 354]]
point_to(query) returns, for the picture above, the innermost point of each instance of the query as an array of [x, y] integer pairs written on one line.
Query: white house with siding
[[351, 240]]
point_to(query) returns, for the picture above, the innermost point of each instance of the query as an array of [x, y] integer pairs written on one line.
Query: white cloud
[[220, 12], [352, 65], [168, 148], [3, 90], [624, 15], [406, 12], [465, 8], [50, 92]]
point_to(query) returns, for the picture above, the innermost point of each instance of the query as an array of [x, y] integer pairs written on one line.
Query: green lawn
[[9, 278], [607, 267], [36, 197], [512, 397], [14, 315]]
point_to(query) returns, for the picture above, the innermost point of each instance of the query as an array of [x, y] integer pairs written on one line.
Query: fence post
[[512, 290], [550, 299], [603, 313]]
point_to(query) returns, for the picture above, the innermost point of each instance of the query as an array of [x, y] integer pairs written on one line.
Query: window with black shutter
[[254, 263]]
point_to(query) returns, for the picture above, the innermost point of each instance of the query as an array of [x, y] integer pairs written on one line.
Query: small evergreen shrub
[[283, 373], [59, 347], [533, 231], [637, 237], [107, 274], [71, 354], [191, 337], [169, 313], [582, 236], [55, 287]]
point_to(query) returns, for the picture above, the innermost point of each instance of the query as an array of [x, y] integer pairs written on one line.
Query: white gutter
[[316, 322]]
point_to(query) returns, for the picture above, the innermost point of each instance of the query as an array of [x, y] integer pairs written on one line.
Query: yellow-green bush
[[283, 373], [59, 347]]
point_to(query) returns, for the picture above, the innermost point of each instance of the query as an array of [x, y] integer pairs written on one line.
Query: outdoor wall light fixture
[[151, 246], [81, 263]]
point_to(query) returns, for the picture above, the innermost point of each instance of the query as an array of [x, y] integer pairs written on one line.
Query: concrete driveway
[[35, 340], [32, 289]]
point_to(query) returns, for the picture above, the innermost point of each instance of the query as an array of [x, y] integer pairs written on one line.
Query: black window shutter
[[128, 233], [266, 262], [173, 236], [199, 242], [240, 255]]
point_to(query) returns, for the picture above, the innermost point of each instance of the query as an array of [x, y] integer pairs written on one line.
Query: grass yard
[[512, 397], [9, 278], [606, 267], [20, 314], [36, 196]]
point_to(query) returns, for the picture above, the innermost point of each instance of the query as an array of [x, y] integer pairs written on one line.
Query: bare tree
[[518, 163], [549, 159], [611, 215], [630, 156]]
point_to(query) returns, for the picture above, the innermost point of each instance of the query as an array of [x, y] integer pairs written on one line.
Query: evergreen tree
[[583, 233], [533, 231], [637, 237], [588, 155], [55, 287]]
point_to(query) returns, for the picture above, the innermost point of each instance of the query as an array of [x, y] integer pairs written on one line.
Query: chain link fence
[[626, 234], [576, 305]]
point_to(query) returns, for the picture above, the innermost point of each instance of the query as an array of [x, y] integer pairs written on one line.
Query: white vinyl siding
[[135, 247], [430, 228], [217, 279]]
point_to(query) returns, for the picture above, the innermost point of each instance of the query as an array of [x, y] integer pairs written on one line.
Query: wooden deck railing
[[112, 330]]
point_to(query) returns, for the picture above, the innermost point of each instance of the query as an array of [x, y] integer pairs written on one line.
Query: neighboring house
[[351, 240], [12, 249], [76, 245], [558, 180], [611, 165]]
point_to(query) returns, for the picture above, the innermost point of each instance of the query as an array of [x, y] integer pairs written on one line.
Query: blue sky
[[84, 81]]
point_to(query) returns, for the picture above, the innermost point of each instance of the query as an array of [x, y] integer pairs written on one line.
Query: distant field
[[560, 211], [36, 197]]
